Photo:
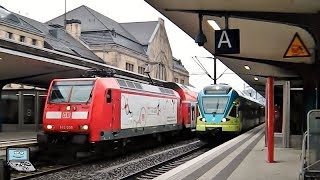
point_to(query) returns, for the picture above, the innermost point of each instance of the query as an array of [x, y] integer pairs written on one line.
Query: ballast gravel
[[123, 165]]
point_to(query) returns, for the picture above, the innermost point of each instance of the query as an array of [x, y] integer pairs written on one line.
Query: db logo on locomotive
[[66, 115]]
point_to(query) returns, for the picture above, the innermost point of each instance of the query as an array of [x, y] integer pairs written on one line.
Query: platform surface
[[27, 139], [242, 158]]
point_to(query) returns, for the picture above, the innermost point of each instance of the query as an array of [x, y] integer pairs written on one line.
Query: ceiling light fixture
[[214, 24], [247, 67]]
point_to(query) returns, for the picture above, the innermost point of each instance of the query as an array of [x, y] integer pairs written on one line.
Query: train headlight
[[225, 119], [203, 119], [84, 127], [49, 126]]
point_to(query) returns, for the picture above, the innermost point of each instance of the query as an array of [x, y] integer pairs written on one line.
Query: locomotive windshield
[[214, 105], [71, 91]]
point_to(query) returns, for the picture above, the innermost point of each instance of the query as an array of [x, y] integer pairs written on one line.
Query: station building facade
[[91, 35], [131, 46]]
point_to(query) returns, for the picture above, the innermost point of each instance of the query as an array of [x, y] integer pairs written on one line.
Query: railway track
[[41, 170], [163, 167], [87, 167]]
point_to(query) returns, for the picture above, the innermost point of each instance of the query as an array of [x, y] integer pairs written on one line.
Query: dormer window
[[34, 42], [22, 38], [9, 35]]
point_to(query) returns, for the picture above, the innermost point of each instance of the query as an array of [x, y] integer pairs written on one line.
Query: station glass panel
[[28, 114], [42, 103], [9, 109]]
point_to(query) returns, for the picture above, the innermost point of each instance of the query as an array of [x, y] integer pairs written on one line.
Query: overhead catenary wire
[[202, 67]]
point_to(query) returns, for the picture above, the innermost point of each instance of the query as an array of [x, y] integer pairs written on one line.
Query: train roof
[[130, 84], [189, 94], [224, 89]]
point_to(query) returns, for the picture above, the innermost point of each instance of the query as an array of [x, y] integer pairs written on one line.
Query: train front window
[[214, 105], [71, 91]]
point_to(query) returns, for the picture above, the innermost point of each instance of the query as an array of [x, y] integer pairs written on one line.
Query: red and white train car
[[88, 110], [189, 108]]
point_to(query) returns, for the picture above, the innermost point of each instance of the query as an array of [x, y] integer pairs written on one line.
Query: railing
[[310, 164]]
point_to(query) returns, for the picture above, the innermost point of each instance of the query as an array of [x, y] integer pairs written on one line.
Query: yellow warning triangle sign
[[296, 48]]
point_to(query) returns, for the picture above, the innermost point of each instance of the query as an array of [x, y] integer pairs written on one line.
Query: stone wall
[[17, 33]]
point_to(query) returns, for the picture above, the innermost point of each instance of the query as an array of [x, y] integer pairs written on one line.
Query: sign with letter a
[[227, 41]]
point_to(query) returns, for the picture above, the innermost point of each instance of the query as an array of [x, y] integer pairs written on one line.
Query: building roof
[[110, 38], [177, 64], [13, 20], [142, 31], [97, 29], [61, 41], [92, 20]]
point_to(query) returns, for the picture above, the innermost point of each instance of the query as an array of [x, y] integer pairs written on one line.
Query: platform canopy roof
[[267, 28]]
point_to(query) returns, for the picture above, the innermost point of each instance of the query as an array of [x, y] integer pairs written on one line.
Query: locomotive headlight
[[84, 127], [49, 126], [203, 119], [223, 120]]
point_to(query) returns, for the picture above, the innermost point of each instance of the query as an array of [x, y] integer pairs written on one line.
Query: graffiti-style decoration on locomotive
[[224, 109]]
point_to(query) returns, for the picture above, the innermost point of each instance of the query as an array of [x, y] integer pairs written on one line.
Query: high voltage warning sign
[[296, 48]]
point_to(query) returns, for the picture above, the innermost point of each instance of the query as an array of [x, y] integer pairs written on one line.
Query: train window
[[170, 91], [162, 90], [214, 105], [130, 84], [233, 112], [60, 94], [138, 86], [109, 98], [81, 94], [122, 83], [71, 91]]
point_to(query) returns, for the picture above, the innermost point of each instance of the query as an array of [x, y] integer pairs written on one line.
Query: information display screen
[[17, 154]]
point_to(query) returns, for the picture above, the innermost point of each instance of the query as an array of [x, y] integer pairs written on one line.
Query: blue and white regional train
[[224, 109]]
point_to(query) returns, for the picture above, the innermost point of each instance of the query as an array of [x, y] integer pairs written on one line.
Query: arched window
[[161, 72]]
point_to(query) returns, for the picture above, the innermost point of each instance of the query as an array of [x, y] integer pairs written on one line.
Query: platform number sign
[[227, 41]]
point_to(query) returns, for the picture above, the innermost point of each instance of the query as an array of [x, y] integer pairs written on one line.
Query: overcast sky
[[183, 46]]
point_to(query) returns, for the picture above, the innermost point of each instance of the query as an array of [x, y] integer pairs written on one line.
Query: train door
[[193, 115]]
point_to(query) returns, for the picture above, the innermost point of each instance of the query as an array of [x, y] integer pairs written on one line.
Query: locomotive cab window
[[214, 105], [71, 92]]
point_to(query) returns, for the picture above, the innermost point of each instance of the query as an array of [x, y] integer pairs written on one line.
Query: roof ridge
[[137, 22], [132, 38], [47, 22], [20, 17], [88, 9]]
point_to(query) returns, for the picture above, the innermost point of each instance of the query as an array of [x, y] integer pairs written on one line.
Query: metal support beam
[[286, 115], [36, 110], [270, 120], [215, 69], [20, 110]]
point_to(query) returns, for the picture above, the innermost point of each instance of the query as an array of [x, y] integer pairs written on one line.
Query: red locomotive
[[86, 111]]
